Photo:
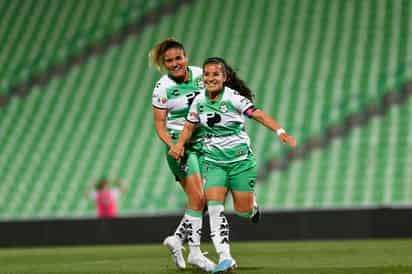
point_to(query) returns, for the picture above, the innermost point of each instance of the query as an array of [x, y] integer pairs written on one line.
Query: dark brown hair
[[232, 80], [157, 52], [101, 184]]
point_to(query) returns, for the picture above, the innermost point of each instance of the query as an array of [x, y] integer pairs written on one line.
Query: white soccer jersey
[[177, 97], [223, 125]]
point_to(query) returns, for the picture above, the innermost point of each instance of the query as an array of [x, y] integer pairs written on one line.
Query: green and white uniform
[[227, 159], [176, 98]]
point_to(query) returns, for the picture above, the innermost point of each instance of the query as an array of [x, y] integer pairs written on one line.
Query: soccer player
[[172, 97], [228, 163]]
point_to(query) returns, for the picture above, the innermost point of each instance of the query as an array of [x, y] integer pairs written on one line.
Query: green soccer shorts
[[237, 176], [185, 167]]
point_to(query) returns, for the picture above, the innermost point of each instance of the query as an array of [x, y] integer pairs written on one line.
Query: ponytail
[[232, 80]]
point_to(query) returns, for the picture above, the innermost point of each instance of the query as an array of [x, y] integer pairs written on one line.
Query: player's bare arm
[[177, 150], [270, 123], [160, 116]]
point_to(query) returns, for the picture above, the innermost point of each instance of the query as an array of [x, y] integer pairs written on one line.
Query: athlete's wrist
[[280, 131], [180, 144]]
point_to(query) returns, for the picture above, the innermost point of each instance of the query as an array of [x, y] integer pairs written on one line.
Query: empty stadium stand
[[42, 33], [310, 64]]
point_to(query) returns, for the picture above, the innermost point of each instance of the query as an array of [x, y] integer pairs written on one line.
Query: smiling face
[[175, 61], [214, 77]]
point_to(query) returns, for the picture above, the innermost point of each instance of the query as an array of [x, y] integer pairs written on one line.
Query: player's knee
[[243, 209], [244, 212]]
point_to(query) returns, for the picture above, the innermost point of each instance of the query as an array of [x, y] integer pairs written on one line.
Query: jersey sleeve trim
[[249, 111], [158, 107], [192, 122]]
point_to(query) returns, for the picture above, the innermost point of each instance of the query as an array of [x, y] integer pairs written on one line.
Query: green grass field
[[315, 257]]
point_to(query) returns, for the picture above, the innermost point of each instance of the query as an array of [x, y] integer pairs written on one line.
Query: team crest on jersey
[[199, 82], [223, 107]]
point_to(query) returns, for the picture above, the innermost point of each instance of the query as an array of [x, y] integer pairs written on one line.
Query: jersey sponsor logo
[[184, 168], [213, 118], [240, 153], [223, 107], [199, 82], [190, 97]]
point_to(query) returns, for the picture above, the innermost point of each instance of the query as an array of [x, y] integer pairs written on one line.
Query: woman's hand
[[285, 138], [176, 151]]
